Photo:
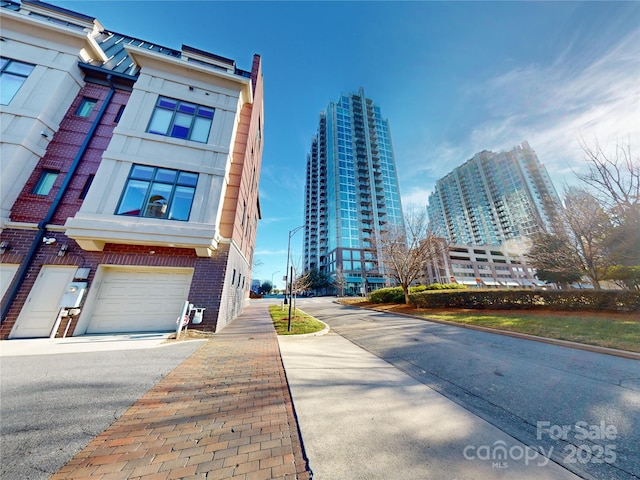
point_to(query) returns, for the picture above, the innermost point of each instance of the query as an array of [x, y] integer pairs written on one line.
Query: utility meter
[[73, 295], [197, 317]]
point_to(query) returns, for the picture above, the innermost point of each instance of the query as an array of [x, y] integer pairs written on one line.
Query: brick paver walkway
[[225, 412]]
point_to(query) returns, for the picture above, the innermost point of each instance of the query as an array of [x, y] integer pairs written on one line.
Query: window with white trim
[[158, 193], [178, 119], [12, 75]]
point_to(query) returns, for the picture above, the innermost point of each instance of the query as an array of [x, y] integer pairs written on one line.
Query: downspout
[[42, 226]]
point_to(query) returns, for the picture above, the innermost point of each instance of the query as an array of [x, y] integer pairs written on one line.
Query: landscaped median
[[301, 323], [619, 331]]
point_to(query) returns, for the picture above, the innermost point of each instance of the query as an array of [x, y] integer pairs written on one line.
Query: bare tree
[[405, 250], [339, 282], [298, 285], [588, 225], [614, 178], [302, 282]]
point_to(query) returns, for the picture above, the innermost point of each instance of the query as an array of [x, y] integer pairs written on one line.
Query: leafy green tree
[[316, 279], [554, 260], [623, 241], [628, 277], [265, 288]]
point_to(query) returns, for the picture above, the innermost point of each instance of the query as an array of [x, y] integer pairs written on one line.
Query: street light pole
[[287, 279], [272, 277]]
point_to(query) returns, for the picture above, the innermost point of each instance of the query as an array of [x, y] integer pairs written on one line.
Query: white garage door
[[40, 310], [140, 300], [7, 272]]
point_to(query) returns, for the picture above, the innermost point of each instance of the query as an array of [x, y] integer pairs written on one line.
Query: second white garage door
[[139, 300]]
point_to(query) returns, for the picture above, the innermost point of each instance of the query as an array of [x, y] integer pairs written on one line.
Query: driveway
[[58, 395]]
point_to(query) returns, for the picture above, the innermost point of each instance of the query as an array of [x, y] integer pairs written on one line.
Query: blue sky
[[453, 78]]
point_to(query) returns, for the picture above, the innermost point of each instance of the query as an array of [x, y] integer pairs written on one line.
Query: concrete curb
[[324, 331], [524, 336]]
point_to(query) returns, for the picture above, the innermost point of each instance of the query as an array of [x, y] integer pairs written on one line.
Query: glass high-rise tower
[[494, 197], [351, 193]]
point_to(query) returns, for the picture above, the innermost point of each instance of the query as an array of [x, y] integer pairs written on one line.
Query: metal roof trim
[[37, 5], [134, 51]]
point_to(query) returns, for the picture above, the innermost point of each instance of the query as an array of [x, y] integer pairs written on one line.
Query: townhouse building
[[129, 178]]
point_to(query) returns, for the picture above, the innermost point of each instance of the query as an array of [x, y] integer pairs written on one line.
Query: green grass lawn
[[591, 329], [300, 322], [612, 330]]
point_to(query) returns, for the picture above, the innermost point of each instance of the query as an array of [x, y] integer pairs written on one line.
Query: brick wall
[[206, 286], [60, 154]]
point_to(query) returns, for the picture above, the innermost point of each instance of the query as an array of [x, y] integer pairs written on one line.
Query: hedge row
[[396, 295], [593, 300]]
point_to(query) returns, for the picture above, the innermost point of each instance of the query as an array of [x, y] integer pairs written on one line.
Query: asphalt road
[[582, 407], [53, 405]]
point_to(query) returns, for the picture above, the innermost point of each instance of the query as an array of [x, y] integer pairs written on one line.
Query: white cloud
[[553, 108], [271, 252], [416, 197]]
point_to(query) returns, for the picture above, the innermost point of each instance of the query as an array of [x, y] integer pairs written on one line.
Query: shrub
[[396, 295], [594, 300], [387, 295], [445, 286]]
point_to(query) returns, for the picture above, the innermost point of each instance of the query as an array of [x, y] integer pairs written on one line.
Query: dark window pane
[[19, 68], [45, 183], [86, 107], [158, 200], [189, 108], [167, 103], [181, 204], [142, 173], [131, 203], [86, 187], [205, 112], [119, 114], [166, 176], [190, 179], [179, 132]]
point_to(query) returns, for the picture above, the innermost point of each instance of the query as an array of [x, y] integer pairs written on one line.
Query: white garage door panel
[[140, 301], [41, 308], [7, 272]]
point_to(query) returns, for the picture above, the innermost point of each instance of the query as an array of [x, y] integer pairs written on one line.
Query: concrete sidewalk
[[361, 418], [81, 344], [225, 412]]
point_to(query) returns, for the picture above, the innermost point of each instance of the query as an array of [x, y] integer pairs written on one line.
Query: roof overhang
[[197, 71]]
